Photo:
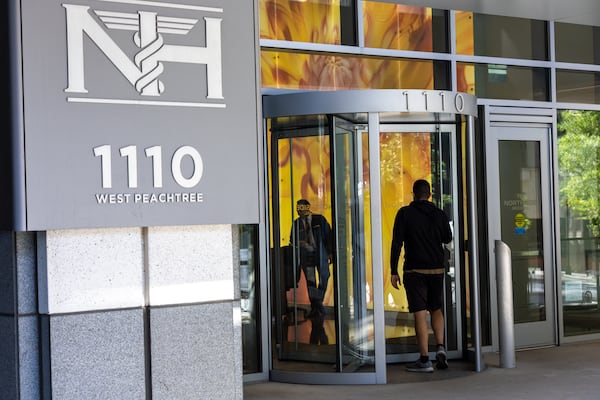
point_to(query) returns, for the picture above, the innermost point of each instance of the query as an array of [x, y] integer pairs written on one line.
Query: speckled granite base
[[8, 366], [194, 352], [97, 356], [73, 323]]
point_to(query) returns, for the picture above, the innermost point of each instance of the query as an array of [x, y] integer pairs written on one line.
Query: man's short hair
[[421, 189]]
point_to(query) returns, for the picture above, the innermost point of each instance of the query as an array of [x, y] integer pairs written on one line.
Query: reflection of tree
[[579, 165]]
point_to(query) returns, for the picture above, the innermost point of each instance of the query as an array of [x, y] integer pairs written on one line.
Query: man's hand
[[396, 281]]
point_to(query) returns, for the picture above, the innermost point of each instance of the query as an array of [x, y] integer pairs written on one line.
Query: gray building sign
[[139, 113]]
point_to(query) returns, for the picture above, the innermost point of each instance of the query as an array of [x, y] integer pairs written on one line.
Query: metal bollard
[[506, 321]]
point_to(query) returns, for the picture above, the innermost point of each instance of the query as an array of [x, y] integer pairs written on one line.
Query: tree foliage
[[579, 165]]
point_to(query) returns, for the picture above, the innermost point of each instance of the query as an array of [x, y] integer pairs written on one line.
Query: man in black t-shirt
[[423, 229]]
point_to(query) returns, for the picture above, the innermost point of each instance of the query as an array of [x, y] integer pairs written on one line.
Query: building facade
[[126, 277], [534, 71]]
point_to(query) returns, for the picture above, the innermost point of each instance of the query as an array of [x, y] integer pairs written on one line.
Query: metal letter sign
[[147, 67], [136, 112]]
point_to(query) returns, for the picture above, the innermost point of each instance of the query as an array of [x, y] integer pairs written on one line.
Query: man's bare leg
[[437, 324], [422, 332]]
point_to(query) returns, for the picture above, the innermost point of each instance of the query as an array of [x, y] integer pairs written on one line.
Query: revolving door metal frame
[[381, 105]]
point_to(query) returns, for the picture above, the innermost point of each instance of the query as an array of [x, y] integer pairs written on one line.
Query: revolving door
[[335, 317]]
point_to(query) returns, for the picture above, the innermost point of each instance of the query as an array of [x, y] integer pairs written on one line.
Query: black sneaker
[[419, 366], [441, 359]]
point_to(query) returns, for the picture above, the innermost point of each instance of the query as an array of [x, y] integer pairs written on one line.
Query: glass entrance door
[[410, 152], [321, 164], [321, 273], [353, 267], [347, 160], [519, 206]]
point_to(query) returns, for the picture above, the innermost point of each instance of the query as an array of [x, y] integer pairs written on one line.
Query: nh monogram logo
[[144, 71]]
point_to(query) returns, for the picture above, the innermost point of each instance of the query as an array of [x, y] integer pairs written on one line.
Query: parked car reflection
[[580, 289]]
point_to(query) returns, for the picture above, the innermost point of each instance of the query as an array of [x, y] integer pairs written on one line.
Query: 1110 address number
[[155, 154]]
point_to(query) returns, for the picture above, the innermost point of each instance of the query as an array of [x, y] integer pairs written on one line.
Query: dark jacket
[[321, 230], [422, 228]]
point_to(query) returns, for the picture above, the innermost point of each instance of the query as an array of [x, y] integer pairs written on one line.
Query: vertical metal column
[[506, 321], [17, 136], [473, 243], [377, 249]]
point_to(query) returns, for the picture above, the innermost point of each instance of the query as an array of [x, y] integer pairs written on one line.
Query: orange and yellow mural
[[465, 44], [387, 26], [300, 21], [304, 162], [397, 27], [304, 172], [405, 158]]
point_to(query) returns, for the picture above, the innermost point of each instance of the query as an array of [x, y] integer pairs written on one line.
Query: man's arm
[[329, 244], [396, 248], [445, 231]]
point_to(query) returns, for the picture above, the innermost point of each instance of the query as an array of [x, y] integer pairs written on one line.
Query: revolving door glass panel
[[319, 275], [409, 153], [354, 267]]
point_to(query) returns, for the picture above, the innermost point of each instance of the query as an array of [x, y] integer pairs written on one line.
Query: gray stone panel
[[8, 371], [190, 264], [7, 273], [98, 356], [87, 270], [238, 366], [194, 352], [29, 361], [235, 239], [26, 273]]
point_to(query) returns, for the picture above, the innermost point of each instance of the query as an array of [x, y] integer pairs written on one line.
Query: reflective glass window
[[321, 273], [250, 295], [498, 36], [318, 71], [577, 43], [498, 81], [522, 225], [404, 27], [579, 183], [578, 87], [313, 21]]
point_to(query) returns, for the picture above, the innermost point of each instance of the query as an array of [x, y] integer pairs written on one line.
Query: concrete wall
[[121, 314]]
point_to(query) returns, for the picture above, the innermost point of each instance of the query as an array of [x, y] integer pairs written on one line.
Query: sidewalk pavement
[[566, 372]]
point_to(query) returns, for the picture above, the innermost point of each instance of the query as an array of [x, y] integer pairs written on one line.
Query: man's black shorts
[[424, 291]]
